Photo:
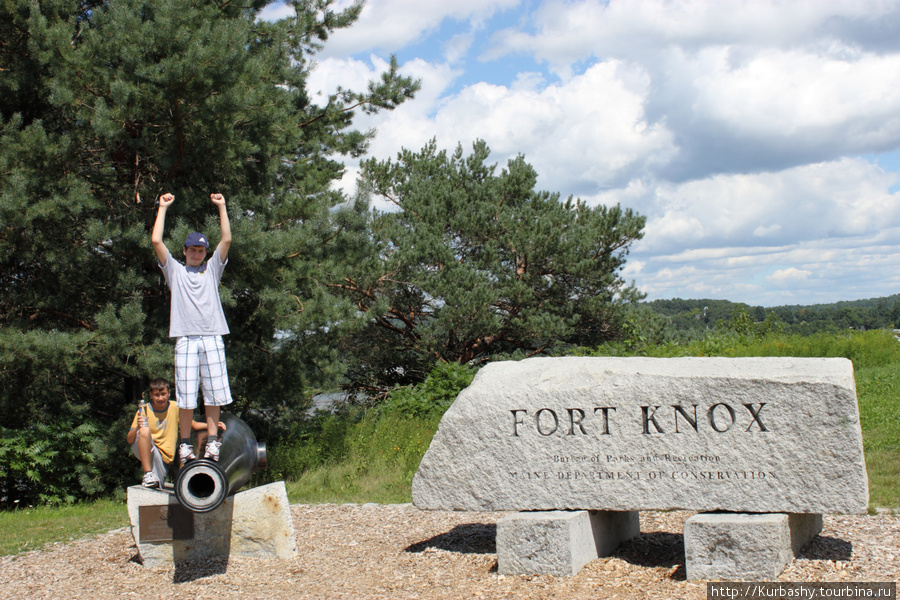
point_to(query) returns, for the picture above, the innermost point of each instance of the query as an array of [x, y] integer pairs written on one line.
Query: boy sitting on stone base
[[153, 436]]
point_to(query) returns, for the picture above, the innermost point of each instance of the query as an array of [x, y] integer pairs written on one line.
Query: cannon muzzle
[[202, 485]]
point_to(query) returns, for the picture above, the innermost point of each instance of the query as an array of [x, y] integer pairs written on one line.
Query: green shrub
[[432, 396], [52, 463]]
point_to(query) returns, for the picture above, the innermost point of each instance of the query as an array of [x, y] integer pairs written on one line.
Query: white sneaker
[[185, 453], [150, 480], [212, 450]]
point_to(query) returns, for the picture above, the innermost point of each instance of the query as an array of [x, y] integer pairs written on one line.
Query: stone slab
[[707, 434], [559, 542], [750, 547], [252, 523]]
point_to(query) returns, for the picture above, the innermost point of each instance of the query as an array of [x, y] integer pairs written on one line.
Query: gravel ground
[[398, 552]]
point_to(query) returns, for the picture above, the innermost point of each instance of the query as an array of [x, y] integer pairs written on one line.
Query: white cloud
[[801, 98], [409, 126], [567, 31], [767, 230], [794, 90], [837, 268], [701, 105], [457, 47], [632, 268], [742, 86], [275, 12], [842, 198], [832, 232], [788, 276], [581, 136], [348, 73], [389, 25], [355, 74]]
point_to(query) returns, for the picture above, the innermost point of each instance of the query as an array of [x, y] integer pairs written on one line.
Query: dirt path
[[399, 552]]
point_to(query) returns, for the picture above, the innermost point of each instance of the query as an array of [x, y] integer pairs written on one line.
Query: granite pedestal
[[560, 542], [252, 523], [754, 547]]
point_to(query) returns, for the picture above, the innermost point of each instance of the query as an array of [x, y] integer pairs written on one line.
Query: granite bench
[[759, 448]]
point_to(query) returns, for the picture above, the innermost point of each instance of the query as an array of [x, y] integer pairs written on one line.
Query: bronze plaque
[[165, 523]]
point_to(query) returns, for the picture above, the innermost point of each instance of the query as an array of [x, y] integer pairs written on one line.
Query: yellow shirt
[[163, 429]]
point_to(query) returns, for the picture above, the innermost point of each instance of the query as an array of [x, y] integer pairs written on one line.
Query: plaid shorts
[[201, 359]]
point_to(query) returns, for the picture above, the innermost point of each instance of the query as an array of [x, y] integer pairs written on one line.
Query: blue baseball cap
[[196, 239]]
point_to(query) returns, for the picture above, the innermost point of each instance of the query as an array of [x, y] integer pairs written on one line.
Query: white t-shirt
[[196, 307]]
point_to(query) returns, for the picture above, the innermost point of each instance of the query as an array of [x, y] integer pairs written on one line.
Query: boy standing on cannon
[[197, 323]]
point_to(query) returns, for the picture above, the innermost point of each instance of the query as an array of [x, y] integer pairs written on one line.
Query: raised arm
[[224, 226], [162, 253]]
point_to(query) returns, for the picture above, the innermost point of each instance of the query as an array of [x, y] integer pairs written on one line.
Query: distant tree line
[[707, 314]]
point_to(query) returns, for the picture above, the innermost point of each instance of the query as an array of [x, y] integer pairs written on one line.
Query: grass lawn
[[33, 528]]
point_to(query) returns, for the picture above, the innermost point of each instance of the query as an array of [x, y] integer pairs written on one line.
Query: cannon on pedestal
[[202, 485]]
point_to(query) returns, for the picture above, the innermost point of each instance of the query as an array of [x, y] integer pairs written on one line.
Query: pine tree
[[471, 264], [106, 105]]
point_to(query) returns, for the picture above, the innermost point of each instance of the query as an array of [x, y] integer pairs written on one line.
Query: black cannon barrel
[[202, 485]]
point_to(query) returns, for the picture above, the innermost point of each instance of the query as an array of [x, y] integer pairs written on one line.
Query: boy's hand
[[217, 199], [165, 200]]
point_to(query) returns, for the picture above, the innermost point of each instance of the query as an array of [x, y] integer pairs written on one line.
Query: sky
[[759, 138]]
